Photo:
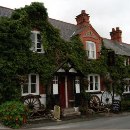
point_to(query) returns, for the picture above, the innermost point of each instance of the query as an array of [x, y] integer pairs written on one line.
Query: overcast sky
[[104, 14]]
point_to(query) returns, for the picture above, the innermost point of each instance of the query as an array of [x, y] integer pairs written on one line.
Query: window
[[55, 85], [91, 50], [127, 61], [77, 84], [127, 86], [94, 82], [32, 85], [36, 42]]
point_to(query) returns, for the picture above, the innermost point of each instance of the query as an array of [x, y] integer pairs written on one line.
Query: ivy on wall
[[16, 58]]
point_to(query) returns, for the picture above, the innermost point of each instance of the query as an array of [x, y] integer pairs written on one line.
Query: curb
[[49, 122]]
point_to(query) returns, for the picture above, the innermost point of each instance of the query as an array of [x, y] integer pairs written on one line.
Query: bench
[[70, 112]]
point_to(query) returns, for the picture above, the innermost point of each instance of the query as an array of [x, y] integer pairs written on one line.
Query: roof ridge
[[62, 21], [48, 17], [116, 41], [6, 8]]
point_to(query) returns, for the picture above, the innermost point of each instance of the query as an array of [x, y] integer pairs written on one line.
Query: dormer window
[[36, 42], [91, 49]]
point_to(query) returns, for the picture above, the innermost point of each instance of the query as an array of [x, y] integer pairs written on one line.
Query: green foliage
[[125, 105], [16, 57], [77, 54], [12, 113], [15, 43]]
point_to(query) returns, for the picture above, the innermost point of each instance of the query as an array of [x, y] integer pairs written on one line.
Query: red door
[[62, 92]]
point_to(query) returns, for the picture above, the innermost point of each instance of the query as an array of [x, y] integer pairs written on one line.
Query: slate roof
[[5, 11], [119, 48], [66, 29]]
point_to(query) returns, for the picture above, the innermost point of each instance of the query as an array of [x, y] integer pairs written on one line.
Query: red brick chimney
[[82, 19], [116, 35]]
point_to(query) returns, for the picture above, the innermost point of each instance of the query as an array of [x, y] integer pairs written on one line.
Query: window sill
[[126, 93], [94, 92], [30, 94]]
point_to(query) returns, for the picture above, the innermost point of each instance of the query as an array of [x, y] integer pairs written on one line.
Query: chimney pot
[[83, 11], [117, 28], [113, 29]]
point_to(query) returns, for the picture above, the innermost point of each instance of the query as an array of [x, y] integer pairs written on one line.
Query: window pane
[[55, 80], [39, 50], [33, 46], [91, 86], [33, 37], [96, 82], [96, 86], [89, 45], [25, 88], [91, 82], [33, 78], [91, 78], [93, 54], [92, 46], [91, 49], [96, 79], [38, 38], [38, 45], [33, 88], [128, 88]]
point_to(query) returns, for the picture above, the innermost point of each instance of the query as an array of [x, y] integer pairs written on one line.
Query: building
[[66, 83]]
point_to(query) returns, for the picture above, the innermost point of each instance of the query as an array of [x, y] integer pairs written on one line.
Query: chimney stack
[[116, 34], [82, 19]]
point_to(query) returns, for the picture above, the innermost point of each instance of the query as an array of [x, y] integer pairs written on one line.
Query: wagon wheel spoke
[[32, 100], [26, 102]]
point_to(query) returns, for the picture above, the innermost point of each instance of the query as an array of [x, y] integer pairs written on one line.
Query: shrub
[[13, 113], [125, 105]]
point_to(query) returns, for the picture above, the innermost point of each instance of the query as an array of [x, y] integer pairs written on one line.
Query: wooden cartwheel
[[94, 102], [33, 104]]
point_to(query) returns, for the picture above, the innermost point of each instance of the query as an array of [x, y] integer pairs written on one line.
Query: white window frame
[[127, 87], [34, 47], [94, 83], [29, 85], [55, 85], [91, 49]]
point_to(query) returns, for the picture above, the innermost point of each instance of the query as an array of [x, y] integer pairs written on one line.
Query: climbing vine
[[16, 58]]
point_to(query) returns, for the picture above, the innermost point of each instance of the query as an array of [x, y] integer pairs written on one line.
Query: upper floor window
[[94, 82], [31, 86], [127, 61], [91, 49], [127, 86], [36, 42]]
